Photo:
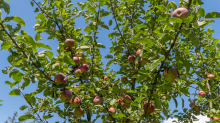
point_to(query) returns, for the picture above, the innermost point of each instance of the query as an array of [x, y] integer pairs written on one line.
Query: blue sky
[[23, 9]]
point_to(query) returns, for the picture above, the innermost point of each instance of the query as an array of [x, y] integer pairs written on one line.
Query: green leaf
[[6, 45], [108, 56], [213, 15], [15, 92], [184, 91], [157, 102], [112, 102], [31, 42], [118, 115], [16, 19], [42, 45], [11, 84], [173, 5], [6, 6], [201, 11], [165, 112], [49, 54], [110, 22], [162, 8], [17, 76], [25, 117], [99, 45], [102, 2], [175, 102], [47, 116], [130, 91], [175, 20], [23, 107], [138, 99], [182, 103], [32, 3]]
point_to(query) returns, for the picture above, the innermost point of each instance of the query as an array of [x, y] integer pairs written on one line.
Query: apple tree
[[161, 47]]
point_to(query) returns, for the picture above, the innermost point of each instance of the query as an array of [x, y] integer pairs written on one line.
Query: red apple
[[120, 100], [76, 60], [84, 67], [75, 102], [143, 61], [97, 100], [112, 110], [192, 104], [60, 78], [181, 13], [124, 79], [79, 54], [69, 42], [66, 95], [170, 74], [202, 93], [150, 108], [216, 118], [131, 58], [79, 112], [127, 99], [197, 107], [106, 77], [124, 105], [78, 72], [211, 76], [138, 53]]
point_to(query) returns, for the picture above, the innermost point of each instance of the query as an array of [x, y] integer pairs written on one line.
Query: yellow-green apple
[[124, 105], [79, 112], [60, 78], [84, 67], [124, 79], [143, 61], [201, 92], [75, 102], [150, 108], [131, 58], [66, 95], [192, 104], [181, 13], [76, 60], [170, 74], [97, 100], [112, 110], [138, 53], [127, 99], [211, 76], [69, 42], [197, 107], [78, 72], [216, 118]]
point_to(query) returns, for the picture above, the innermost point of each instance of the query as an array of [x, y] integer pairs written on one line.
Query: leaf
[[175, 20], [175, 102], [99, 45], [6, 45], [184, 91], [138, 99], [23, 107], [130, 91], [108, 56], [16, 19], [17, 76], [15, 92], [165, 111], [6, 6], [110, 22], [42, 45], [182, 103], [201, 11], [162, 8], [173, 5], [49, 54], [102, 2], [118, 115], [31, 42], [112, 102], [47, 116], [25, 117], [213, 15], [157, 102]]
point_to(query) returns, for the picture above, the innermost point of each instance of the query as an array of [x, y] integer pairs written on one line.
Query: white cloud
[[202, 119]]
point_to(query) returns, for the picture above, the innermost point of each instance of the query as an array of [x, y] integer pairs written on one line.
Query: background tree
[[152, 48]]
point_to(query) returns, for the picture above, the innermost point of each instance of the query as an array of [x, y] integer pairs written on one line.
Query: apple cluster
[[132, 58]]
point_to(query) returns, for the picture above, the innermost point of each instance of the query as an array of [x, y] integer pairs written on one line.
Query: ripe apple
[[78, 72], [216, 118], [127, 99], [79, 112], [124, 105], [192, 104], [197, 107], [120, 100], [84, 67], [75, 102], [76, 60], [202, 93], [143, 61], [138, 53], [66, 95], [131, 58], [97, 100], [105, 77], [69, 42], [112, 110], [150, 108], [211, 76], [181, 13], [60, 78], [79, 54], [124, 79], [170, 74]]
